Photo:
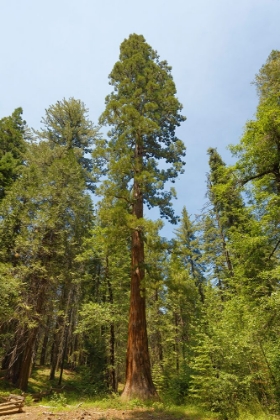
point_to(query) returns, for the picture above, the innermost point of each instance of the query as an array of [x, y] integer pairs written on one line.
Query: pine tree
[[13, 136], [187, 249], [45, 216], [258, 168], [259, 150], [224, 216], [67, 124]]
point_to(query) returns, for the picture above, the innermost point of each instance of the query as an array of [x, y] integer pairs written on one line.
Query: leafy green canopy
[[144, 113]]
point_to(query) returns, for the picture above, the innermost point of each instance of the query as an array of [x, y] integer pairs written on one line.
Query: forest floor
[[74, 404], [47, 413]]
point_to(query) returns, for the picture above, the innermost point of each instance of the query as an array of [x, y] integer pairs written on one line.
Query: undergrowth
[[77, 390]]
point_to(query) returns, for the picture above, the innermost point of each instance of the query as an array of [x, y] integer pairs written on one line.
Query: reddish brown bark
[[139, 382]]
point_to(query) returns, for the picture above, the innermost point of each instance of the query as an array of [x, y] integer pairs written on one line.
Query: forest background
[[211, 291]]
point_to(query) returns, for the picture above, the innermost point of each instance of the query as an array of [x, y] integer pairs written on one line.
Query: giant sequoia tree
[[143, 112]]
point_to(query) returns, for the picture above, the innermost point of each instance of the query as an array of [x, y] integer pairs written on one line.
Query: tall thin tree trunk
[[176, 345], [22, 355], [55, 346], [158, 333], [112, 370], [25, 368], [45, 342], [26, 364], [63, 356], [15, 355]]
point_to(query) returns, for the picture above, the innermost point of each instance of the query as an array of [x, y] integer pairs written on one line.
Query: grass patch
[[190, 412]]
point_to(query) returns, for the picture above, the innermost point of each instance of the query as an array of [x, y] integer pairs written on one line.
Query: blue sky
[[66, 48]]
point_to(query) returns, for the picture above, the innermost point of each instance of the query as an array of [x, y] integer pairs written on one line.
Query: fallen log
[[14, 397], [13, 405]]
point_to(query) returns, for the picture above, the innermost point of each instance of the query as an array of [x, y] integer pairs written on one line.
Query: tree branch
[[276, 246], [251, 178]]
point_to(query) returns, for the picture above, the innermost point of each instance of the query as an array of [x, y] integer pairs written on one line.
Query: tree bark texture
[[139, 382]]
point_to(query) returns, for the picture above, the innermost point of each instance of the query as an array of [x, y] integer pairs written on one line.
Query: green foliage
[[233, 363], [10, 288], [67, 125], [267, 81], [58, 400], [224, 194], [258, 150], [13, 137], [143, 113], [175, 386]]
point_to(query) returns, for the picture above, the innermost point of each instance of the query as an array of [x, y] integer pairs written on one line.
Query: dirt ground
[[46, 413]]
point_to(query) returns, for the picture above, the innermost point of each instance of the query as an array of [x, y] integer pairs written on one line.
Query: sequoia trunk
[[139, 382]]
